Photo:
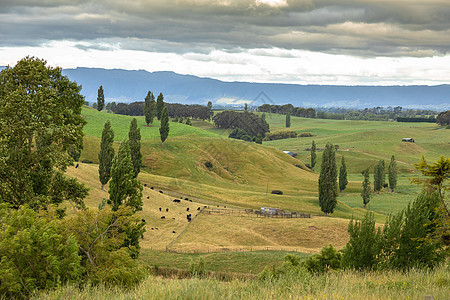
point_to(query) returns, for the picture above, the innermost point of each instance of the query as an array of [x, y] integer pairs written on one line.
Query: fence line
[[258, 213], [240, 249]]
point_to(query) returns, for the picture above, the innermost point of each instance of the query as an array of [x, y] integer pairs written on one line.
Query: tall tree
[[366, 193], [159, 105], [382, 173], [343, 175], [245, 107], [40, 119], [376, 178], [328, 180], [209, 105], [100, 99], [123, 187], [313, 155], [106, 154], [392, 176], [164, 129], [288, 119], [149, 108], [134, 136]]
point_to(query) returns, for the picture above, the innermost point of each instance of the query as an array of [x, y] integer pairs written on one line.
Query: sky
[[368, 42]]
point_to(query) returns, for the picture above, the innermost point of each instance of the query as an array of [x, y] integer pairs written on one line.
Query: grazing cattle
[[225, 206], [76, 166], [156, 228], [277, 192], [163, 217], [186, 198], [190, 200], [189, 219], [145, 184], [148, 197], [217, 205], [176, 200], [167, 209], [173, 218], [152, 188], [143, 220], [198, 208], [173, 231], [161, 192], [160, 209], [152, 228], [187, 209]]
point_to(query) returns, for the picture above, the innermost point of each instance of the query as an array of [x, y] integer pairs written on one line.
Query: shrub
[[35, 252], [328, 259], [280, 135], [197, 268], [305, 134]]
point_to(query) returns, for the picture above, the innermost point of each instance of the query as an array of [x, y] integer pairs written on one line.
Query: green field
[[242, 176]]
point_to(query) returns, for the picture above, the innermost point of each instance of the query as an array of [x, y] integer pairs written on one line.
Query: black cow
[[152, 188], [76, 166], [167, 209], [143, 220], [163, 217], [145, 184], [176, 200], [161, 192], [198, 208], [160, 209], [190, 200], [173, 231], [186, 198], [148, 197], [187, 209]]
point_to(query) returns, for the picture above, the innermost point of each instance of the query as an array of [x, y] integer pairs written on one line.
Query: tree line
[[246, 121], [288, 108]]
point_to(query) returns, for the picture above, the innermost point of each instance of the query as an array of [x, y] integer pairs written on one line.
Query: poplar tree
[[100, 99], [392, 174], [164, 129], [376, 178], [288, 120], [159, 105], [328, 180], [313, 155], [382, 173], [134, 136], [365, 193], [123, 187], [149, 108], [343, 175], [106, 154], [245, 107]]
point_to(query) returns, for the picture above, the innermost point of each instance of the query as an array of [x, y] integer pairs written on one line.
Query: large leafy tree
[[328, 180], [164, 129], [123, 187], [159, 105], [100, 99], [40, 120], [343, 175], [134, 136], [149, 108], [106, 154], [392, 173], [313, 155]]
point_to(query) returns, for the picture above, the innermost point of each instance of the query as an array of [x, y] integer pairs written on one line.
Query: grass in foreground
[[415, 284]]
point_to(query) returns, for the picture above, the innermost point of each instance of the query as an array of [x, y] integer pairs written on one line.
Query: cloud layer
[[364, 28]]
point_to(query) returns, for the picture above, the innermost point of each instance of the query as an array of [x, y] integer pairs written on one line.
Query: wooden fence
[[252, 212]]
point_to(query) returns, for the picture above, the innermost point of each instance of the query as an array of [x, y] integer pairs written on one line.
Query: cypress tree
[[164, 129], [392, 176], [106, 154], [149, 108], [343, 175], [313, 155], [159, 105], [376, 178], [134, 136], [382, 173], [124, 188], [328, 180], [288, 120], [365, 193], [100, 99], [245, 107]]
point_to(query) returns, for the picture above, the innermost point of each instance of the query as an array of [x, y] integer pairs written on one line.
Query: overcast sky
[[381, 42]]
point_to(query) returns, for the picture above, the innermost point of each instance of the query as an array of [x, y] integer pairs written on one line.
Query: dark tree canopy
[[106, 154], [313, 155], [134, 136], [365, 192], [164, 129], [100, 99], [288, 120], [284, 109], [328, 188], [343, 175], [149, 108], [392, 174], [40, 121], [249, 122], [443, 118], [159, 105]]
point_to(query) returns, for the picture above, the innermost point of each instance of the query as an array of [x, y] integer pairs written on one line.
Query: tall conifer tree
[[365, 193], [343, 175], [164, 129], [328, 188], [392, 176], [313, 155], [288, 119], [106, 154], [159, 106], [149, 108], [123, 187], [100, 99], [134, 136]]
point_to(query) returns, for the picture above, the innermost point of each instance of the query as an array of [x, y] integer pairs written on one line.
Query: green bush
[[280, 135], [197, 268], [305, 134], [35, 252], [328, 259]]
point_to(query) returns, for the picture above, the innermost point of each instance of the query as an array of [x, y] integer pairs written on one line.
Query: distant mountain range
[[129, 86]]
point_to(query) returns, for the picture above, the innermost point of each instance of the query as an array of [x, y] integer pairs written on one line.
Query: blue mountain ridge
[[129, 86]]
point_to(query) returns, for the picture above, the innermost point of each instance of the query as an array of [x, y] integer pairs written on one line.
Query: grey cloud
[[366, 28]]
